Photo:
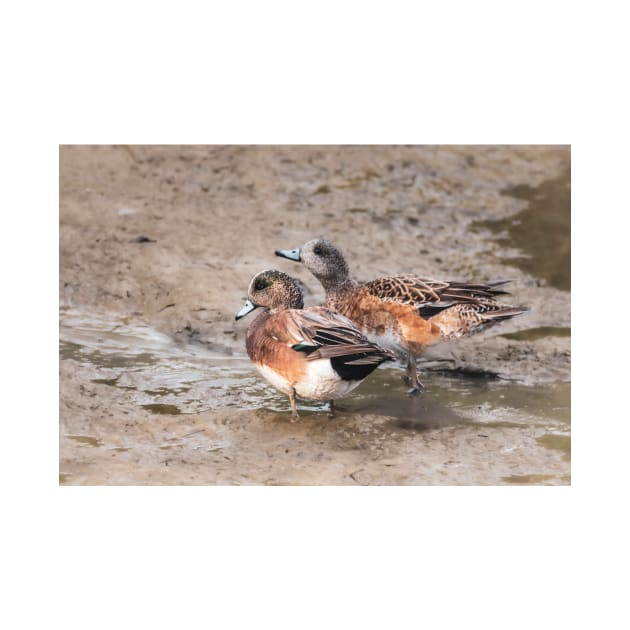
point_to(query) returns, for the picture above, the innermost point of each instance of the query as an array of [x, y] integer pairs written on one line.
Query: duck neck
[[336, 289], [250, 335]]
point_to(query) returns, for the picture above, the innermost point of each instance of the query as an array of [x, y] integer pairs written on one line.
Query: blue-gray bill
[[291, 254], [248, 308]]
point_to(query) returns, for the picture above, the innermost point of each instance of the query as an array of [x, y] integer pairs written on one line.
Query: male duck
[[313, 352], [404, 313]]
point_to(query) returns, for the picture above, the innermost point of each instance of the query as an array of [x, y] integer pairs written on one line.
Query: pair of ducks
[[324, 352]]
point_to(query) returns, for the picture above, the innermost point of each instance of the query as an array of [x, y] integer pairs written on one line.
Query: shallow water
[[164, 378], [531, 334], [539, 235]]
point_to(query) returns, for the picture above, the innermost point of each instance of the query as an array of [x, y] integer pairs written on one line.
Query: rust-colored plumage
[[314, 352], [405, 312]]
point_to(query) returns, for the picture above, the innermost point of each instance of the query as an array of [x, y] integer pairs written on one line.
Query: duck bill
[[248, 308], [291, 254]]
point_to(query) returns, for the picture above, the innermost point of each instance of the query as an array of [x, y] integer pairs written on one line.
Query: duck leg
[[410, 373], [411, 367], [411, 376], [331, 409], [294, 412]]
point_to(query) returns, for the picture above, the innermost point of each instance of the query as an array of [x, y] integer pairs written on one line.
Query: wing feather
[[329, 335], [422, 292]]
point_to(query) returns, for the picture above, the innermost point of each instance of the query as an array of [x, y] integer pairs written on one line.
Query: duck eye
[[317, 250], [260, 284]]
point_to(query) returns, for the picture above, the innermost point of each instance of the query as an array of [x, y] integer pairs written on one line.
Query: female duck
[[405, 313], [313, 352]]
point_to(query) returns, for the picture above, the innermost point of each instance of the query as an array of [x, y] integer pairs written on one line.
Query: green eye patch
[[261, 283]]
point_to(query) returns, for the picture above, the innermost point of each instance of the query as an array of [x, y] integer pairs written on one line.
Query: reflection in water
[[542, 231], [164, 379], [104, 358]]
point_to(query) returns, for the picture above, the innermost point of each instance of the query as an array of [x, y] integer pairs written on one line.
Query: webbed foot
[[417, 389]]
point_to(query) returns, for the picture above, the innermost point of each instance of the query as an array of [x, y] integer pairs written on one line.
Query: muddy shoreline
[[169, 237]]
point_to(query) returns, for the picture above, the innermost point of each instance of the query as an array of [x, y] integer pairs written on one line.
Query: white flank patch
[[279, 382], [388, 340], [321, 382]]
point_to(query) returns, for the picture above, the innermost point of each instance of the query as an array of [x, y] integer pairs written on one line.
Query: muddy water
[[163, 379], [538, 238], [138, 408]]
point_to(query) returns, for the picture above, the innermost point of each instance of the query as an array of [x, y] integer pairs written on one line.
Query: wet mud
[[157, 247]]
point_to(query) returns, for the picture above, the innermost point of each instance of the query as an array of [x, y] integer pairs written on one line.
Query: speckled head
[[273, 290], [323, 260]]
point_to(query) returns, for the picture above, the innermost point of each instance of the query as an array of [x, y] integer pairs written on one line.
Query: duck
[[403, 313], [313, 353]]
